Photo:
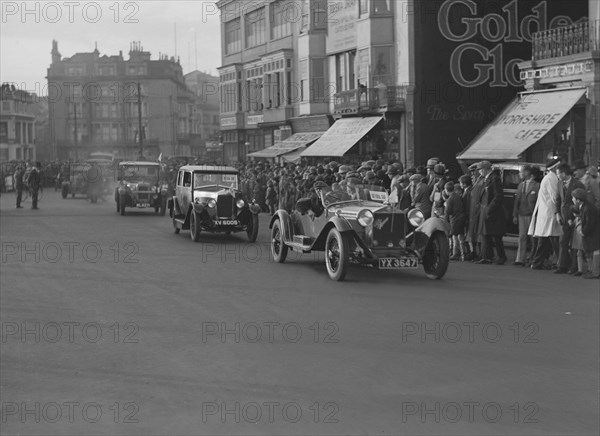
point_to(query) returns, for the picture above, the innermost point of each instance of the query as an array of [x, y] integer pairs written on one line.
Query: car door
[[186, 191]]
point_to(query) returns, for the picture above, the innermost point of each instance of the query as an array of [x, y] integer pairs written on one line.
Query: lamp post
[[222, 152]]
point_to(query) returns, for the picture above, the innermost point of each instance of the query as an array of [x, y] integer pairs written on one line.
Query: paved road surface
[[114, 325]]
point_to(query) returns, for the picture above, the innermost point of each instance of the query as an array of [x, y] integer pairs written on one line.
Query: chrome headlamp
[[212, 203], [240, 203], [416, 218], [365, 218]]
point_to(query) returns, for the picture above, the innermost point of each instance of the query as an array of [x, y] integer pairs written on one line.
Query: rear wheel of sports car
[[176, 229], [278, 248], [122, 204], [195, 228], [252, 230], [337, 258], [437, 256], [65, 192]]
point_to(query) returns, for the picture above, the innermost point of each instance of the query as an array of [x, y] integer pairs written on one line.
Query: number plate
[[143, 205], [227, 223], [402, 263]]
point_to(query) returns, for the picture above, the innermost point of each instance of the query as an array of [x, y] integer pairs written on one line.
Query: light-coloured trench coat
[[543, 221]]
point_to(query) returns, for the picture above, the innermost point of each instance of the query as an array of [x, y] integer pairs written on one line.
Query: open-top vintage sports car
[[140, 187], [207, 199], [359, 225]]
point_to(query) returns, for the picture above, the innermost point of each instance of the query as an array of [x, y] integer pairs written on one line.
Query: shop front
[[534, 127]]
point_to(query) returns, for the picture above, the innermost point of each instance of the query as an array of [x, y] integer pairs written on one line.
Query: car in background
[[360, 226], [139, 186], [509, 174], [208, 199], [74, 179]]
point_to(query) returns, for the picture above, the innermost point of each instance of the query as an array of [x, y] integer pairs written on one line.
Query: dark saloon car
[[139, 187]]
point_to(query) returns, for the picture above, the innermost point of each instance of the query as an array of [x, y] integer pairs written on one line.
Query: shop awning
[[293, 143], [341, 137], [523, 123]]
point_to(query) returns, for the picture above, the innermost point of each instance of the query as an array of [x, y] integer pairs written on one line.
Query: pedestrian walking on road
[[19, 185], [34, 183]]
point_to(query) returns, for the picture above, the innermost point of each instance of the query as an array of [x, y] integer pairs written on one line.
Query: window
[[180, 178], [256, 33], [107, 70], [364, 8], [187, 180], [382, 7], [282, 14], [233, 36], [6, 106]]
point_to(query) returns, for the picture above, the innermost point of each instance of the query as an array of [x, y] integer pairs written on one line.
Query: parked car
[[360, 226], [75, 182], [207, 199], [139, 187], [509, 174]]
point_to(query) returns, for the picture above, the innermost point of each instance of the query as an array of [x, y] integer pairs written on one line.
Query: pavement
[[115, 325]]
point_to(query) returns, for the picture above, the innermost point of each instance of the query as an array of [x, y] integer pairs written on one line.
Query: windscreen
[[222, 180], [138, 172]]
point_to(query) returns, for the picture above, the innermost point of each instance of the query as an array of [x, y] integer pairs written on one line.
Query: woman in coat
[[544, 226]]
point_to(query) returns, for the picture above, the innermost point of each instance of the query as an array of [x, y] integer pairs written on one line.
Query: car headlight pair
[[416, 218], [365, 218]]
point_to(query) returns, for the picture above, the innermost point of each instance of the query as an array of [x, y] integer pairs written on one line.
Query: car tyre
[[252, 230], [337, 254], [437, 256], [122, 204], [278, 248], [195, 228]]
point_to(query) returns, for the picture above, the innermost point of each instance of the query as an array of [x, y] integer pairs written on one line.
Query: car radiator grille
[[225, 206], [388, 228]]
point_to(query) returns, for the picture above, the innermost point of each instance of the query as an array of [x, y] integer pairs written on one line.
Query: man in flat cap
[[419, 193], [492, 220]]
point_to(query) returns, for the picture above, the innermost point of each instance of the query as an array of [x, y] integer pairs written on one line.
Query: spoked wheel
[[252, 230], [195, 228], [278, 248], [437, 256], [337, 254]]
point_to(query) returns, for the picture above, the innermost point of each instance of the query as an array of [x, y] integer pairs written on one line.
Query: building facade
[[17, 124], [434, 72], [206, 124], [123, 106]]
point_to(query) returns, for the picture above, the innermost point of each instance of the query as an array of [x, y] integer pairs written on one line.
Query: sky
[[27, 29]]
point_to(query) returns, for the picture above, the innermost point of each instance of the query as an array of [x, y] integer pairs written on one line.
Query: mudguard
[[433, 225], [421, 236], [339, 223], [287, 228]]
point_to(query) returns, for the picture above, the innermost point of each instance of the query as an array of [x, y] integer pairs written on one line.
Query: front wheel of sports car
[[437, 256], [337, 254], [195, 228], [278, 248], [252, 230]]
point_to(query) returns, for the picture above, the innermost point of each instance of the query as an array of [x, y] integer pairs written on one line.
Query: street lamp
[[222, 152]]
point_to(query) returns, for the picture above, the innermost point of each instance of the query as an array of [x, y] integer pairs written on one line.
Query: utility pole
[[75, 131], [140, 131]]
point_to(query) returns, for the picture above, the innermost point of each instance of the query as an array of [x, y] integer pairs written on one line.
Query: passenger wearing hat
[[271, 197], [431, 163], [371, 179], [567, 261], [342, 171], [588, 227], [492, 219], [419, 194]]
